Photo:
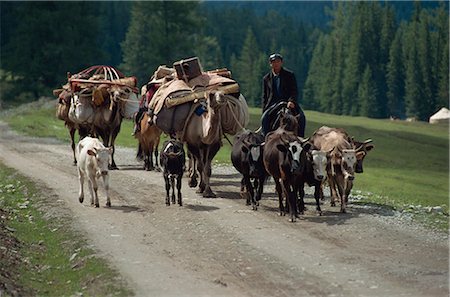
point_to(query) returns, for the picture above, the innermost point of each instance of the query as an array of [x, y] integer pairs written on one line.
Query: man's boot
[[135, 129], [150, 116]]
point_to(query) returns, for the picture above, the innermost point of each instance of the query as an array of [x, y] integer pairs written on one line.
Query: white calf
[[93, 159]]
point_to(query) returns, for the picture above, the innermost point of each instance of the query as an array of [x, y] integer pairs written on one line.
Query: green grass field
[[409, 165], [56, 260]]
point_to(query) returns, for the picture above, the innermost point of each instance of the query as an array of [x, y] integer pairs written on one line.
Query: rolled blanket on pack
[[234, 116], [227, 89]]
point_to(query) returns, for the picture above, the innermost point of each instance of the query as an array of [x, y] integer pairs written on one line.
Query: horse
[[148, 137]]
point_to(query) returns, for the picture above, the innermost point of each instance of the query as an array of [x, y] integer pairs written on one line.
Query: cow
[[93, 158], [314, 174], [343, 159], [362, 148], [284, 158], [172, 160], [246, 156]]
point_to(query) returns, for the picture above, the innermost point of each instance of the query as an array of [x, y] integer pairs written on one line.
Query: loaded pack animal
[[197, 108], [284, 158], [148, 136], [172, 160], [108, 118], [95, 102], [203, 137], [247, 158], [93, 160], [343, 160], [201, 126], [62, 113]]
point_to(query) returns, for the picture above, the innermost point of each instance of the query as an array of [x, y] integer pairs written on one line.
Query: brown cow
[[343, 158], [362, 148], [148, 137]]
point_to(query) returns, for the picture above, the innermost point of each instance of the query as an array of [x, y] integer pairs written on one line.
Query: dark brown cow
[[284, 158]]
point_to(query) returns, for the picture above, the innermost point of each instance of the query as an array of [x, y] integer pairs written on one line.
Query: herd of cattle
[[329, 155], [95, 101]]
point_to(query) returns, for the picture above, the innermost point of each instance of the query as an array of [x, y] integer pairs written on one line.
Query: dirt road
[[219, 247]]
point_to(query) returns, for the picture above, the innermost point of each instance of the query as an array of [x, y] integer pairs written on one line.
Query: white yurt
[[442, 116]]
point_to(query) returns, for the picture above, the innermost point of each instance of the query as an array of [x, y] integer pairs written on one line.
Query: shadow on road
[[197, 207], [126, 208]]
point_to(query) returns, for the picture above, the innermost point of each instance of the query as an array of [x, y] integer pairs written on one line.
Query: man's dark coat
[[288, 88]]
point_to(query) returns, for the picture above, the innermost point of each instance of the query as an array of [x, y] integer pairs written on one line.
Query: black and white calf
[[314, 175], [246, 156], [172, 159]]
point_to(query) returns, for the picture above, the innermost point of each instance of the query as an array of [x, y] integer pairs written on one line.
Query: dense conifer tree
[[367, 95], [249, 69], [48, 41], [395, 79], [160, 33]]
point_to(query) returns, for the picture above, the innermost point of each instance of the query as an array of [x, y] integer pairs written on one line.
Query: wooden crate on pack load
[[188, 69]]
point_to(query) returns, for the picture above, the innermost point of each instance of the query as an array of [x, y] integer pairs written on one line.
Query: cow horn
[[304, 140], [172, 154]]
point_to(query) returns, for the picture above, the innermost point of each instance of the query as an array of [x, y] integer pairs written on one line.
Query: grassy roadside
[[408, 170], [41, 254]]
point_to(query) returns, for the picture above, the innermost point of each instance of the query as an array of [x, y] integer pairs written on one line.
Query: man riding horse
[[280, 91]]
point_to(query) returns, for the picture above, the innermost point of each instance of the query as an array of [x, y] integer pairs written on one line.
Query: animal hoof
[[343, 210], [332, 204], [157, 169], [97, 205], [193, 184], [108, 204], [209, 195], [81, 199], [113, 167]]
